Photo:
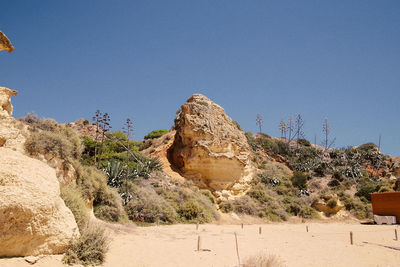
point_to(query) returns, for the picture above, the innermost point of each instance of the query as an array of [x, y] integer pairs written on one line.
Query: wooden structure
[[386, 204]]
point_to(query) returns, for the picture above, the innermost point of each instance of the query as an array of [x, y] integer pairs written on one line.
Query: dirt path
[[175, 245]]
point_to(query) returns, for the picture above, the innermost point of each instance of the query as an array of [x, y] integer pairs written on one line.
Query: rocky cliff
[[33, 218], [210, 149], [11, 131]]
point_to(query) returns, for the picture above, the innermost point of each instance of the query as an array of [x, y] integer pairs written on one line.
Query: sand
[[326, 244]]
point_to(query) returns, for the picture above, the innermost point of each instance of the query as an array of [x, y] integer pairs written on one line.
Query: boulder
[[33, 218], [210, 149]]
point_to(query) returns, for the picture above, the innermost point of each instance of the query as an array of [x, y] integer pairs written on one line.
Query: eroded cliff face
[[210, 149], [33, 217], [11, 130]]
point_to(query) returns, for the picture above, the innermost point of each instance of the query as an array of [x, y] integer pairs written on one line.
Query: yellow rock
[[5, 44], [33, 218], [210, 149]]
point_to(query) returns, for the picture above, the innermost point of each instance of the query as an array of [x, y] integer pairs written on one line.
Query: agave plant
[[115, 173]]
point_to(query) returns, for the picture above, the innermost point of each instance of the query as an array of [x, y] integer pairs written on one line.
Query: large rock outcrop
[[33, 218], [210, 149], [11, 130]]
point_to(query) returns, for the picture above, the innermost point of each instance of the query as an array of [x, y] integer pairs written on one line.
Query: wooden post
[[242, 225], [259, 230], [307, 228], [237, 249], [198, 243], [395, 234], [351, 238], [197, 226]]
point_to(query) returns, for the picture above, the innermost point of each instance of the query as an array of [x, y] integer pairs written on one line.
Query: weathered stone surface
[[11, 130], [33, 218], [209, 148], [5, 44], [6, 107]]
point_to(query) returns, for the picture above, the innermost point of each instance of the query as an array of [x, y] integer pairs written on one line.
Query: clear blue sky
[[143, 59]]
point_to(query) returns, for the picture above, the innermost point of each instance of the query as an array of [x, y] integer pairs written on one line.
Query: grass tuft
[[89, 249]]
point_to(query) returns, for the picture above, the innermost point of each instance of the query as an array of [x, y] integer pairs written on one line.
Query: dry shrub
[[89, 249], [263, 260], [74, 201], [191, 204], [244, 204], [147, 206], [49, 137], [277, 170], [107, 204]]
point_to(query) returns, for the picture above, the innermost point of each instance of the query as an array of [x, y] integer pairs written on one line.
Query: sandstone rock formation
[[5, 44], [329, 205], [6, 107], [33, 218], [209, 148], [11, 131]]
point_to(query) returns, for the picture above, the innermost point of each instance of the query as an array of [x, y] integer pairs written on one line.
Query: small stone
[[31, 259]]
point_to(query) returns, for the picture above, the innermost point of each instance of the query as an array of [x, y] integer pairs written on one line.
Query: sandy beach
[[325, 244]]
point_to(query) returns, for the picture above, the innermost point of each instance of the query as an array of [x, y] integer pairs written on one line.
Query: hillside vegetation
[[293, 176]]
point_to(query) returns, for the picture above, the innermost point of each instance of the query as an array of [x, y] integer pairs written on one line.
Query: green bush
[[108, 206], [188, 201], [308, 212], [303, 142], [93, 184], [191, 210], [208, 195], [89, 249], [299, 180], [358, 208], [147, 206], [155, 134], [366, 190], [74, 201]]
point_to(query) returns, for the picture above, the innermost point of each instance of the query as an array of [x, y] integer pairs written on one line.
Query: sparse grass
[[89, 249], [262, 259], [74, 201]]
